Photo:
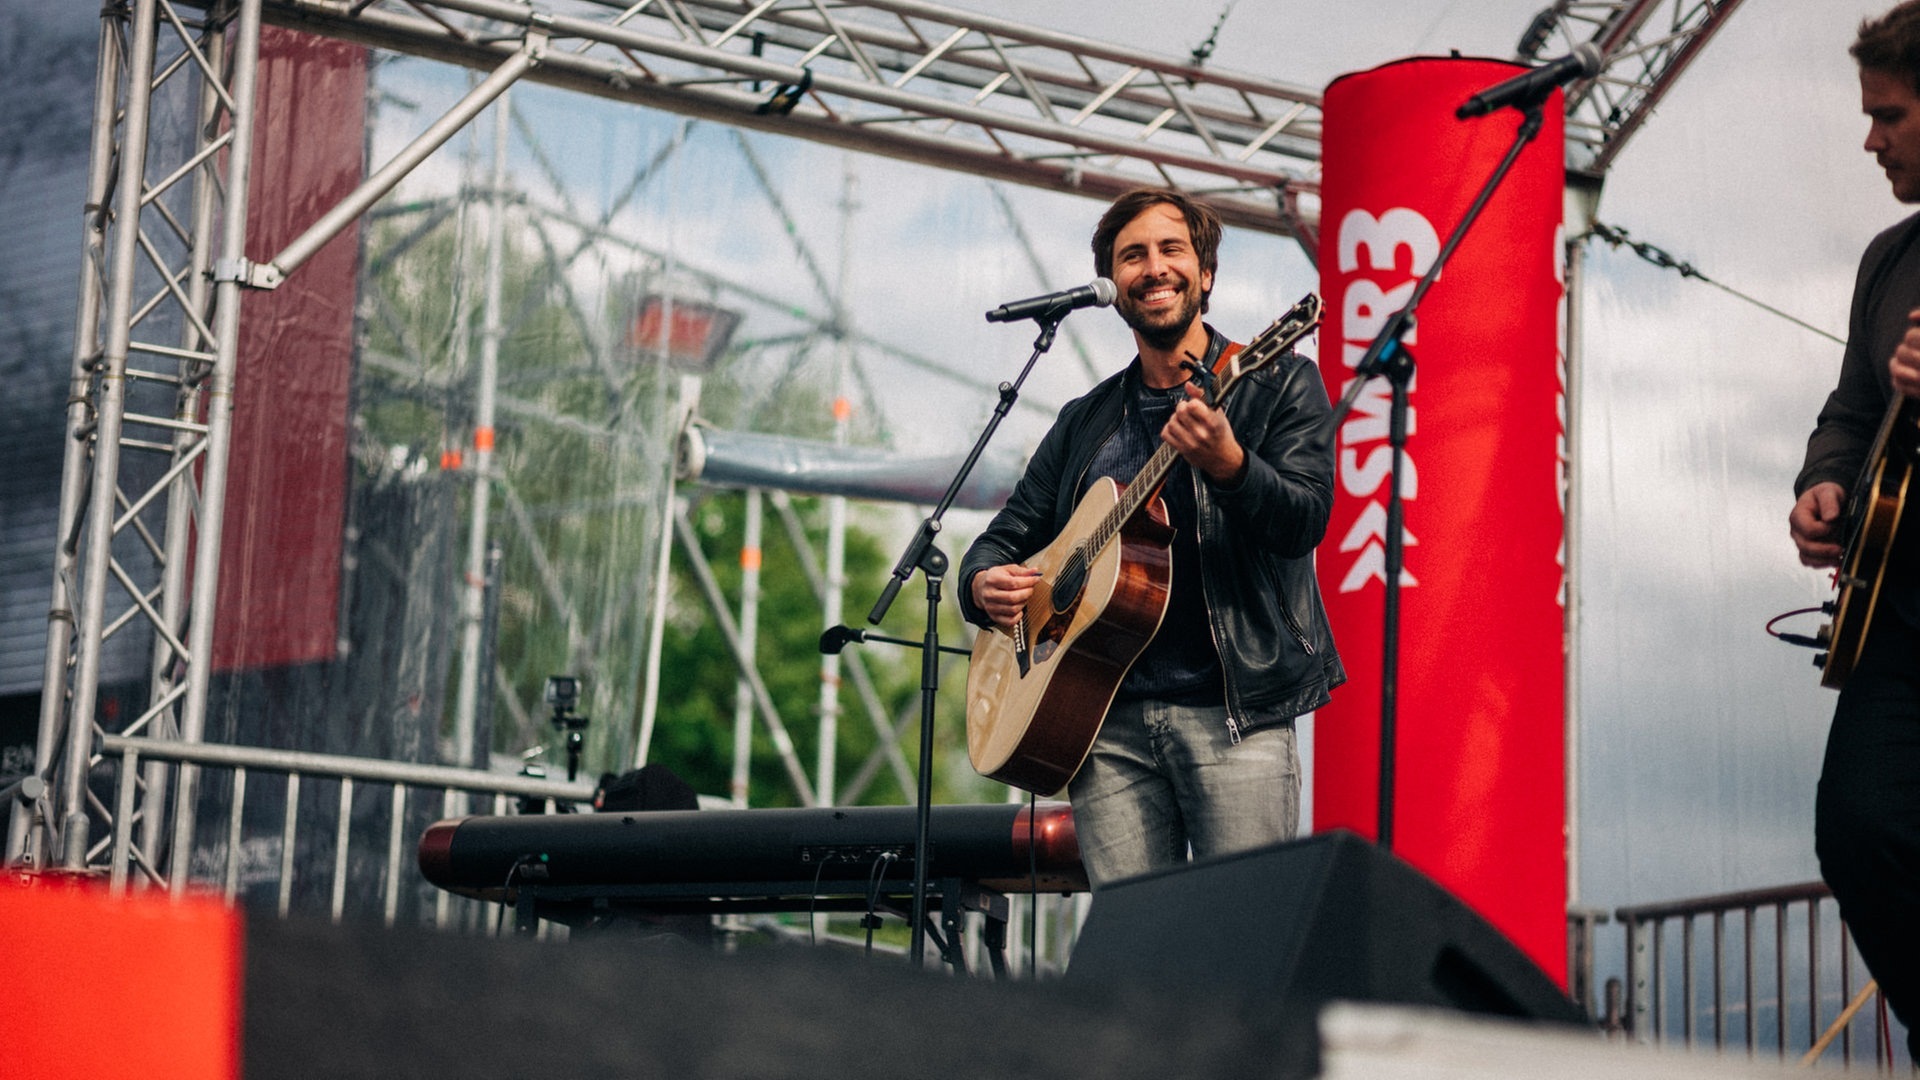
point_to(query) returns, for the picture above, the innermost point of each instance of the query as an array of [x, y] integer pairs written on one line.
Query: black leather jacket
[[1256, 540]]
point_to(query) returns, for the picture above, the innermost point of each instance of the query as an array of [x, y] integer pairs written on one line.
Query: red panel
[[1479, 799], [287, 486], [101, 988]]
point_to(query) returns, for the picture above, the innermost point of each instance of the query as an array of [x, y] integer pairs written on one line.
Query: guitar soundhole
[[1044, 650], [1067, 587]]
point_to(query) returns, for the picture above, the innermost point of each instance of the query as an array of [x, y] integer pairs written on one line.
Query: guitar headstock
[[1272, 343]]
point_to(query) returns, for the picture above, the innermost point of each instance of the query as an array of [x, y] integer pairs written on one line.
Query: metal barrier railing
[[1771, 960], [1042, 926], [218, 856]]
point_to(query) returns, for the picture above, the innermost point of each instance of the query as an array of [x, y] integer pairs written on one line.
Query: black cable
[[525, 862], [1204, 51], [1617, 237], [876, 876], [813, 911]]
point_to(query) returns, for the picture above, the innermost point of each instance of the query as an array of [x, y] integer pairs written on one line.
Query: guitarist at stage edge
[[1197, 750], [1867, 814]]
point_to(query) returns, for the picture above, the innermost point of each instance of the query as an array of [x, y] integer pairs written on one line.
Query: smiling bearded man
[[1197, 750]]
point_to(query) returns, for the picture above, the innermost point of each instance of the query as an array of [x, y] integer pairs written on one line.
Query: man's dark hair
[[1203, 226], [1891, 43]]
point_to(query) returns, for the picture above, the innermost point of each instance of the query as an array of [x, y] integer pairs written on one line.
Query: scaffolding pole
[[751, 557], [30, 828], [473, 595]]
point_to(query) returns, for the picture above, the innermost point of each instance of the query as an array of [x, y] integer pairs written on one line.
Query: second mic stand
[[1388, 357], [922, 555]]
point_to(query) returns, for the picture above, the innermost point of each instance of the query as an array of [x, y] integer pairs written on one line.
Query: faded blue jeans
[[1165, 777]]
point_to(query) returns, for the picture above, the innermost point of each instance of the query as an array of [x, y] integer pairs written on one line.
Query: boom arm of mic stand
[[836, 638], [917, 548]]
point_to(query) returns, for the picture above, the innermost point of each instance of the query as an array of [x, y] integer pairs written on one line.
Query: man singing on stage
[[1198, 747], [1867, 816]]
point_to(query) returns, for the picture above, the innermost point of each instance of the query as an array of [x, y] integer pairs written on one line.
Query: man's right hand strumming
[[1815, 524], [1904, 368], [1003, 591]]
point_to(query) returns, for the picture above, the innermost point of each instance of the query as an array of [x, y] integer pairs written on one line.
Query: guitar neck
[[1142, 488], [1272, 342], [1882, 441]]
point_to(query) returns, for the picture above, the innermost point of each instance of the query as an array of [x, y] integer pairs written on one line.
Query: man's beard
[[1164, 335]]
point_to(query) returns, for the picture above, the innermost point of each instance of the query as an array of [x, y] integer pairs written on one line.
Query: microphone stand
[[1389, 358], [921, 554]]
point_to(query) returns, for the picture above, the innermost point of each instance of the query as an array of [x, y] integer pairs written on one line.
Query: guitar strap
[[1222, 365]]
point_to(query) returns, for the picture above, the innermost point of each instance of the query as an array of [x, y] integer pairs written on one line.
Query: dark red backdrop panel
[[287, 488]]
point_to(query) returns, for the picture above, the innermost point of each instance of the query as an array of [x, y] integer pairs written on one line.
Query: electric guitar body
[[1877, 506]]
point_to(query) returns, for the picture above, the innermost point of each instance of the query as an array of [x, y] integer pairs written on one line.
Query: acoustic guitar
[[1875, 508], [1038, 693]]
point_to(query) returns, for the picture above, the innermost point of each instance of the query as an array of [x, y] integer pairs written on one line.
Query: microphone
[[1529, 87], [1098, 293], [835, 638]]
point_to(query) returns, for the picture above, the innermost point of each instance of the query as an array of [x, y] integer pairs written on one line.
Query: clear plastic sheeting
[[742, 459]]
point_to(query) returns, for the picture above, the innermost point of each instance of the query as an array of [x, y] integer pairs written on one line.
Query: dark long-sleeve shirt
[[1886, 291]]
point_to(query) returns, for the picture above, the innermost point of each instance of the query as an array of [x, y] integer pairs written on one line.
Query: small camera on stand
[[563, 694]]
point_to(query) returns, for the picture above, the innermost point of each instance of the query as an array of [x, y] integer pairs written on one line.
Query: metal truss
[[902, 78], [152, 380], [1648, 45]]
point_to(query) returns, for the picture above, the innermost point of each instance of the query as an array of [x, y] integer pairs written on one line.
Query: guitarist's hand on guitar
[[1815, 524], [1200, 434], [1905, 365], [1003, 591]]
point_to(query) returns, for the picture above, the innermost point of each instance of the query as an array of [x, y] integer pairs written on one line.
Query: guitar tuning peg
[[1820, 660]]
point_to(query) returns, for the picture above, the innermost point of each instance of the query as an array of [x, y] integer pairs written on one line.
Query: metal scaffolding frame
[[173, 232], [166, 260], [1648, 45], [564, 236], [544, 221], [901, 78]]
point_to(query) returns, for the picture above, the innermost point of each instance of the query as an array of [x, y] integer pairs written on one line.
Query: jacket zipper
[[1213, 626], [1286, 616]]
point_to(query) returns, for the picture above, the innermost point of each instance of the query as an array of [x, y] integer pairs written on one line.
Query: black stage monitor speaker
[[1282, 930], [359, 1001]]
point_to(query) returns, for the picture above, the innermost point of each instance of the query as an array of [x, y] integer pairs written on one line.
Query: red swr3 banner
[[1479, 792]]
